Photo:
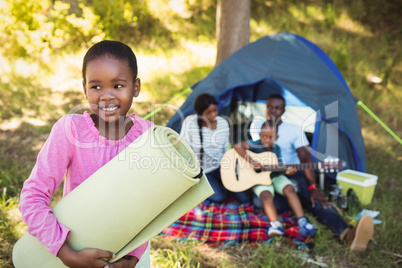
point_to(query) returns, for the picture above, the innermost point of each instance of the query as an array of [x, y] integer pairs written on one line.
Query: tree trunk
[[232, 27]]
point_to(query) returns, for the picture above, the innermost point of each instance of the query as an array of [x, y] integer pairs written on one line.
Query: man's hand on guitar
[[256, 166], [316, 194], [290, 171]]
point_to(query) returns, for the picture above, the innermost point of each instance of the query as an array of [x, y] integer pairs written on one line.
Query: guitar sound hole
[[258, 171]]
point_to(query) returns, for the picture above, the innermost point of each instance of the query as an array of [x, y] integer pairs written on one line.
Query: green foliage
[[7, 239], [379, 15], [38, 29], [165, 88], [130, 21], [22, 95], [18, 155], [170, 84], [11, 178], [201, 19], [339, 55]]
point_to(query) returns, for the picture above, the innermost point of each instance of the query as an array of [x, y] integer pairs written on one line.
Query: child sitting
[[280, 183]]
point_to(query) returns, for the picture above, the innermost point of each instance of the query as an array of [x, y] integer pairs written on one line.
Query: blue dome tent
[[317, 96]]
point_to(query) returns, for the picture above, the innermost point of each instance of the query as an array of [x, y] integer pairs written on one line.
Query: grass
[[34, 98]]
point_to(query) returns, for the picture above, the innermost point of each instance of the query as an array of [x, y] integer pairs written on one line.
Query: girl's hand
[[290, 171], [125, 262], [85, 258]]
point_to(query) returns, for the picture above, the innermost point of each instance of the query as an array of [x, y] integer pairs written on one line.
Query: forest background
[[42, 44]]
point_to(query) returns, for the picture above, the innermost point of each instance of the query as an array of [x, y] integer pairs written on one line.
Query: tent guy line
[[376, 118]]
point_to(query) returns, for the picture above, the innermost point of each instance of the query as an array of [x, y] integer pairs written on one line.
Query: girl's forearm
[[66, 254]]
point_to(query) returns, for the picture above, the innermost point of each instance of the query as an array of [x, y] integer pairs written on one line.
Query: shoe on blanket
[[305, 228], [277, 230], [358, 237]]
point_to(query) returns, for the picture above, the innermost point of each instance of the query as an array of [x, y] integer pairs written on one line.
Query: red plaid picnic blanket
[[231, 223]]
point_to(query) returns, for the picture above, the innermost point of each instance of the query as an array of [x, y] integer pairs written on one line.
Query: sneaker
[[306, 228], [359, 236], [273, 231]]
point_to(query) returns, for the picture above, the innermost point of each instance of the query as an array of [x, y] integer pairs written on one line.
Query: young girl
[[208, 135], [78, 145]]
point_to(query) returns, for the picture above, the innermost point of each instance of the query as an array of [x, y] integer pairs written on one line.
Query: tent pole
[[379, 121]]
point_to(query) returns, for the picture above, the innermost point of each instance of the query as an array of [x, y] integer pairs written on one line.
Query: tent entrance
[[240, 119], [248, 102]]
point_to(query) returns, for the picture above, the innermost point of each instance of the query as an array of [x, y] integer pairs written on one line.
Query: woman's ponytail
[[202, 103]]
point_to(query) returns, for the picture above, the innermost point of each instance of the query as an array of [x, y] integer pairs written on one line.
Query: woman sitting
[[208, 135]]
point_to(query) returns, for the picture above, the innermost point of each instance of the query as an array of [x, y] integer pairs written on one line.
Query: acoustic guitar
[[239, 175]]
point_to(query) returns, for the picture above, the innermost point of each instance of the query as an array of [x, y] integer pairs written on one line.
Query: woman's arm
[[241, 148], [186, 131], [226, 133]]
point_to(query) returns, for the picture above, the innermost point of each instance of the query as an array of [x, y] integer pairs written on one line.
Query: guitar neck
[[301, 166]]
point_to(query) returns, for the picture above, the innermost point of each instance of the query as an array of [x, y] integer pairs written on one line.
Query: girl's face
[[210, 113], [110, 88]]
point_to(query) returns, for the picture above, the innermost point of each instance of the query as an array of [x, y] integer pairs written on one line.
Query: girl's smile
[[110, 88]]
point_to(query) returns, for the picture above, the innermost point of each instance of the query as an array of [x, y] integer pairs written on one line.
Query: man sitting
[[294, 145]]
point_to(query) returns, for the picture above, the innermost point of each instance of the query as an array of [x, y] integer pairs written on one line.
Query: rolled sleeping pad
[[132, 198]]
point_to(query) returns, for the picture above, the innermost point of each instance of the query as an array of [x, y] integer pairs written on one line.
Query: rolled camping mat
[[132, 198]]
